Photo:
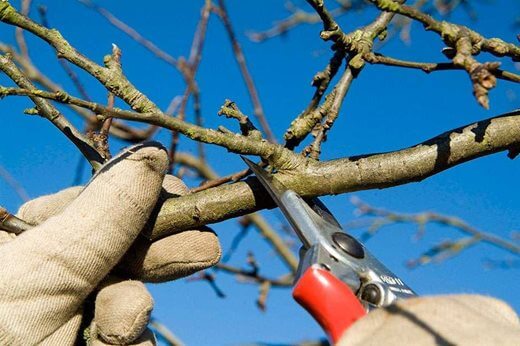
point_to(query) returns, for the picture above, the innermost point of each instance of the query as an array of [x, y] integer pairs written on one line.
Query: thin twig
[[189, 71], [136, 36], [299, 17], [357, 44], [312, 115], [263, 291], [248, 79], [164, 333], [432, 67], [42, 10], [20, 39], [444, 249], [15, 185], [254, 276], [340, 91], [222, 180], [102, 142]]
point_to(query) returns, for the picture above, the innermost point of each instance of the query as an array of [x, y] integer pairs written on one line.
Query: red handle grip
[[330, 301]]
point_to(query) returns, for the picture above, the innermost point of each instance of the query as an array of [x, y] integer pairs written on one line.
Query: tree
[[296, 152]]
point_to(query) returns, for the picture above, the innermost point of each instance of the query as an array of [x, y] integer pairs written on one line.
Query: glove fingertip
[[173, 257], [122, 311], [174, 185]]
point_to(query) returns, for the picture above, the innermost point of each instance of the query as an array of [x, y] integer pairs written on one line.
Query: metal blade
[[317, 229], [307, 223], [270, 183]]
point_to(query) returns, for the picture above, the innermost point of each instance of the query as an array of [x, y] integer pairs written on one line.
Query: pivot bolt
[[348, 244], [372, 294]]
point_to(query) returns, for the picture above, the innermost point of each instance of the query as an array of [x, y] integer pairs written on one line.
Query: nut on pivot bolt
[[372, 294]]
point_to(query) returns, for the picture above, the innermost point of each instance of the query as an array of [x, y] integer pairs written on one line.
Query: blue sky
[[386, 109]]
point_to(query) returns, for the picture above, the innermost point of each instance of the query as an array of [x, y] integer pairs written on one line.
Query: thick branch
[[346, 175], [267, 232], [306, 176]]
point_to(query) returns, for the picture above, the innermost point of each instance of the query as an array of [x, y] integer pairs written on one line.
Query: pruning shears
[[338, 280]]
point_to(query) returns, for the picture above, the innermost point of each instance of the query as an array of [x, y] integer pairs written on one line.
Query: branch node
[[31, 111], [230, 110], [327, 35], [62, 96]]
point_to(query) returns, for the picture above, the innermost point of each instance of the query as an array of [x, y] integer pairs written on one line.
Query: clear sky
[[386, 109]]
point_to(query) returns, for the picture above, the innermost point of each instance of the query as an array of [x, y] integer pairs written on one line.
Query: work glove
[[444, 320], [50, 273]]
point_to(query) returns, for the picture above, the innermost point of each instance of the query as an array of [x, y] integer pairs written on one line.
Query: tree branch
[[306, 176], [429, 67], [298, 17], [451, 33], [248, 145], [312, 178], [267, 232], [112, 78], [48, 111], [444, 249]]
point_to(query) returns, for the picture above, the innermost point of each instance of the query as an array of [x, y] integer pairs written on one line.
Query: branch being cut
[[311, 178], [306, 176], [267, 232]]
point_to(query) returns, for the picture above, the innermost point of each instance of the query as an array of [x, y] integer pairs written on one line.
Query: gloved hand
[[82, 235], [443, 320]]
